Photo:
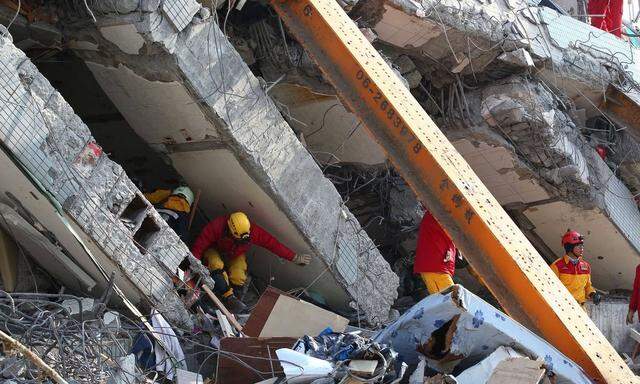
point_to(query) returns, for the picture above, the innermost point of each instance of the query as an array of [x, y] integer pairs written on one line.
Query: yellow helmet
[[239, 225]]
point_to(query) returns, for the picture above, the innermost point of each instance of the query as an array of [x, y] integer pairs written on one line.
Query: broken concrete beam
[[456, 325], [232, 105], [528, 371], [404, 64], [75, 307], [518, 58], [40, 129], [45, 253]]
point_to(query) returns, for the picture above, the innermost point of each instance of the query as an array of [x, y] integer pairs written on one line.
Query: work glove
[[302, 259], [596, 297], [630, 317]]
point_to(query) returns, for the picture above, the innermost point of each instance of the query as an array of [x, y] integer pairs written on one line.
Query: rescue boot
[[233, 304]]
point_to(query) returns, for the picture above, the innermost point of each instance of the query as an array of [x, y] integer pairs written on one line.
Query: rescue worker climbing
[[174, 207], [573, 271], [222, 245], [436, 255]]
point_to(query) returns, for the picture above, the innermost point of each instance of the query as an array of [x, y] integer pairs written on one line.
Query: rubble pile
[[450, 337]]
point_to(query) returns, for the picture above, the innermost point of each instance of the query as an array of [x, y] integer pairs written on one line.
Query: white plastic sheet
[[299, 367]]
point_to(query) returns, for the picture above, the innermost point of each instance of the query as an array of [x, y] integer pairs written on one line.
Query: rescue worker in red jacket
[[634, 303], [573, 271], [436, 255], [222, 245]]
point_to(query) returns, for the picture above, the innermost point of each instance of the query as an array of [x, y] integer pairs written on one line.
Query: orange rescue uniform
[[576, 277]]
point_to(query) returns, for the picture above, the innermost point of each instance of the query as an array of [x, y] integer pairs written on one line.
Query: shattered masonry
[[57, 150], [533, 87], [235, 104]]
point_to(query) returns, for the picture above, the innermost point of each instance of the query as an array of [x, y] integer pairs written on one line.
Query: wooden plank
[[261, 311], [239, 353], [510, 266], [518, 370], [227, 331], [221, 306], [280, 315]]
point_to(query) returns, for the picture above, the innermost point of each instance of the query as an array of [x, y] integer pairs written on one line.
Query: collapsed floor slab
[[92, 194], [186, 90]]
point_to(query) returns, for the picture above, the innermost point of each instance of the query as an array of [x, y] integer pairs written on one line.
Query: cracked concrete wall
[[542, 132], [530, 117], [248, 123], [52, 143], [570, 53]]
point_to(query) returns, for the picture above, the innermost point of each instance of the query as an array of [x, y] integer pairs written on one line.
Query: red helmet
[[572, 238]]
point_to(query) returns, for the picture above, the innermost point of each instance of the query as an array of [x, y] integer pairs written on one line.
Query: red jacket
[[215, 235], [611, 21], [435, 251], [635, 295]]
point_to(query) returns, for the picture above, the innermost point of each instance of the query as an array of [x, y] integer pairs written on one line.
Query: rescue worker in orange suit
[[573, 271], [606, 15], [634, 303], [174, 207], [222, 245], [436, 255]]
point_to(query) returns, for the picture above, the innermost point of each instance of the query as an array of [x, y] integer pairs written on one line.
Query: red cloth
[[635, 295], [435, 251], [612, 11], [215, 235]]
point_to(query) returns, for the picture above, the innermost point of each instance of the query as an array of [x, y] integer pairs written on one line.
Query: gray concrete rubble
[[519, 90], [53, 145], [237, 114]]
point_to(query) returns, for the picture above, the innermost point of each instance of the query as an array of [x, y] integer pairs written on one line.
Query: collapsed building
[[245, 169], [541, 105]]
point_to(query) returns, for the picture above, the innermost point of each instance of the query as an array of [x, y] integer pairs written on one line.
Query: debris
[[227, 331], [369, 34], [417, 377], [462, 64], [340, 348], [8, 262], [49, 256], [404, 64], [413, 78], [11, 343], [279, 315], [187, 377], [125, 371], [169, 356], [250, 359], [520, 370], [527, 370], [520, 58], [111, 319], [455, 326], [363, 367], [440, 379], [297, 365], [75, 307]]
